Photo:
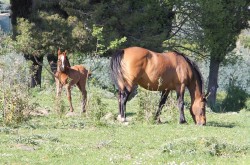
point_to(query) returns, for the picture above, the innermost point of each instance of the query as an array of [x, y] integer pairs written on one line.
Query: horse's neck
[[195, 90], [62, 76]]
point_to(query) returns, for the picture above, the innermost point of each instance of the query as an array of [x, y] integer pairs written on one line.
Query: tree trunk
[[36, 70], [52, 59], [213, 81]]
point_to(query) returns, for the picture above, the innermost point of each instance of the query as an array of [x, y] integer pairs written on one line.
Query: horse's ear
[[204, 97], [207, 94], [59, 51]]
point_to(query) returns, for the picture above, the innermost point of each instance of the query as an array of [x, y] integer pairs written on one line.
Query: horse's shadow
[[221, 124], [130, 114]]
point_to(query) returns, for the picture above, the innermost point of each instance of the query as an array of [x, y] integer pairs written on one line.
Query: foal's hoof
[[71, 114]]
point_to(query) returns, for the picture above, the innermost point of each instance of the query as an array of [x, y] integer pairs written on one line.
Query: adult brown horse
[[138, 66], [68, 76]]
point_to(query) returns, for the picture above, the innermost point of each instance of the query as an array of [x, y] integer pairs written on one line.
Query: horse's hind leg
[[119, 104], [180, 97], [124, 98], [164, 96], [68, 88]]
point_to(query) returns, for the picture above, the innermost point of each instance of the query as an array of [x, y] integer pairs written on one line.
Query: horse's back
[[156, 71], [78, 72], [79, 68]]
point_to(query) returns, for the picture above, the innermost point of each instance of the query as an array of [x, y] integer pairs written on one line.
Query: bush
[[15, 101], [95, 108], [235, 99], [148, 103], [60, 106], [247, 104]]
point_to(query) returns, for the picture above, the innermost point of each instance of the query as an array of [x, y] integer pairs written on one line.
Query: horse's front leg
[[164, 96], [180, 96], [68, 88]]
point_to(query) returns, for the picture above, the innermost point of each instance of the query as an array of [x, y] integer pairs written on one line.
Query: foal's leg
[[124, 98], [81, 87], [58, 87], [164, 96], [84, 100], [180, 97], [68, 89]]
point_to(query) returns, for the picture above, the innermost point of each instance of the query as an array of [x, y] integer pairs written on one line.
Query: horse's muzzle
[[201, 124], [62, 69]]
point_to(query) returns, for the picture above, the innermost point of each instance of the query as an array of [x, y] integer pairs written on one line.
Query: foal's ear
[[59, 52], [65, 53]]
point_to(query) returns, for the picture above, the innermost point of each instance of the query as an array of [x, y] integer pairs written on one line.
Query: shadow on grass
[[129, 114], [221, 124]]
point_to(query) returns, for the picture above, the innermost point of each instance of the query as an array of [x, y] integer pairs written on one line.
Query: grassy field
[[51, 139]]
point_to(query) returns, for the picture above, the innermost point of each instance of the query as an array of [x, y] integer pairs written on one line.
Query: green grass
[[77, 140]]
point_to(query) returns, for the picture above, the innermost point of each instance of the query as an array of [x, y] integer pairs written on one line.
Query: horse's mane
[[195, 67], [68, 61]]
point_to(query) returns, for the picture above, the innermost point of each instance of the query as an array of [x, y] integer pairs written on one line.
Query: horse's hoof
[[126, 123], [158, 121], [119, 118], [183, 122], [123, 119]]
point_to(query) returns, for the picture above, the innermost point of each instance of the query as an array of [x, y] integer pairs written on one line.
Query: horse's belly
[[159, 85]]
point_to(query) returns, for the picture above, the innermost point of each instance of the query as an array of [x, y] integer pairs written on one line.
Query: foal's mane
[[68, 61], [195, 67]]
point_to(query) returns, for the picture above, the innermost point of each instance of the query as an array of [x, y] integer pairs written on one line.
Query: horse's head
[[198, 110], [62, 62]]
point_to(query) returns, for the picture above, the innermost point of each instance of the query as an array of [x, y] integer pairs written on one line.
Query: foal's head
[[198, 110], [62, 62]]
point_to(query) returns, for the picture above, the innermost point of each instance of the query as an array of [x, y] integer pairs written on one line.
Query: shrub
[[235, 99], [101, 73], [95, 108], [247, 104], [148, 104], [60, 106], [15, 101]]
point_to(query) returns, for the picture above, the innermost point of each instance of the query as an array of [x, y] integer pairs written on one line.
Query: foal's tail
[[116, 67], [89, 73]]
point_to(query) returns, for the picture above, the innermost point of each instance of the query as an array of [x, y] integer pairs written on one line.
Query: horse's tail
[[116, 67]]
